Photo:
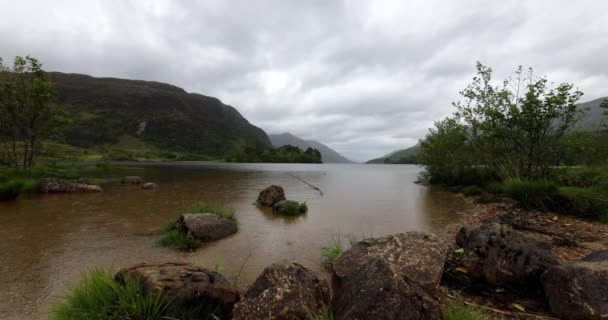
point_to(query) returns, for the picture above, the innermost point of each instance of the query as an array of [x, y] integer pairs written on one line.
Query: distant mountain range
[[591, 120], [328, 155]]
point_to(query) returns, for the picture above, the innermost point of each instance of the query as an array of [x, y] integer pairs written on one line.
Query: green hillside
[[124, 116]]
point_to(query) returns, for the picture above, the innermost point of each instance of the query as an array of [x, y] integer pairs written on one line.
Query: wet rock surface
[[579, 290], [186, 284], [417, 255], [501, 256], [149, 186], [271, 195], [54, 185], [380, 291], [284, 290], [131, 180], [206, 226]]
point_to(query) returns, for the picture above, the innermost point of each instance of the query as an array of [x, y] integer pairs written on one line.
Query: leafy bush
[[590, 203], [12, 188], [529, 193], [460, 311], [119, 155], [581, 177]]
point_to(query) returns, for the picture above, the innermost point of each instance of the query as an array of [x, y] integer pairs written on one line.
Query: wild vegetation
[[283, 154], [515, 139]]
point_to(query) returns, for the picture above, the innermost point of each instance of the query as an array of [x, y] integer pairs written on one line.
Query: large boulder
[[578, 290], [132, 180], [206, 226], [284, 290], [502, 256], [380, 291], [417, 255], [271, 195], [188, 286], [55, 185]]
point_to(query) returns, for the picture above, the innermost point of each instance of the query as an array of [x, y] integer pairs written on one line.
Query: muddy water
[[48, 241]]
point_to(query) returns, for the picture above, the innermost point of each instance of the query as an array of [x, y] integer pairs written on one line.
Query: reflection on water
[[48, 241]]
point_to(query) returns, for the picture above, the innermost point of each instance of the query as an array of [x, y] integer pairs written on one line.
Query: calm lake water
[[48, 241]]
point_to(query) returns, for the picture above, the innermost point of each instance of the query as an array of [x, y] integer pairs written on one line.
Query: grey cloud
[[363, 77]]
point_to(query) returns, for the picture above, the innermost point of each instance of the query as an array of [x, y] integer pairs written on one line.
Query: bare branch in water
[[301, 180]]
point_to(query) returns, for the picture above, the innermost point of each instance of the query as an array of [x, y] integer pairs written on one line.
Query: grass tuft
[[460, 311], [178, 240], [203, 207], [326, 314], [529, 193], [332, 251], [293, 208]]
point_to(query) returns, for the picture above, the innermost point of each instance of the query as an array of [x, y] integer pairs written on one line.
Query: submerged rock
[[284, 291], [380, 291], [54, 185], [271, 195], [417, 255], [131, 180], [206, 226], [502, 256], [149, 186], [188, 286]]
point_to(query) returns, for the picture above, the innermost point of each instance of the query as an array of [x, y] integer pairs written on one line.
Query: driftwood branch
[[301, 180]]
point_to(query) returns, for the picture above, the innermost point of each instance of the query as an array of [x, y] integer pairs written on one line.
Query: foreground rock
[[188, 285], [502, 256], [579, 290], [417, 255], [380, 291], [284, 290], [54, 185], [131, 180], [149, 186], [271, 195], [206, 226]]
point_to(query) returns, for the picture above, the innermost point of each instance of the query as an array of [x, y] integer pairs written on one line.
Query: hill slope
[[165, 116], [399, 156], [328, 155]]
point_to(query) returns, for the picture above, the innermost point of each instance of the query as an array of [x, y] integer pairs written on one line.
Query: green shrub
[[12, 188], [293, 208], [581, 177], [203, 207], [529, 193], [590, 203], [178, 239], [99, 296], [472, 191], [332, 251], [460, 311]]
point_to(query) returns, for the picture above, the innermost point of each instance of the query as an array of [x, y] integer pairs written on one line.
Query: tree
[[26, 117]]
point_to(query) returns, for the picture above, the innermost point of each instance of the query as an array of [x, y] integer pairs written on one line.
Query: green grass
[[529, 193], [332, 251], [178, 240], [582, 177], [203, 207], [460, 311], [98, 297], [326, 314], [13, 187], [588, 203], [293, 208]]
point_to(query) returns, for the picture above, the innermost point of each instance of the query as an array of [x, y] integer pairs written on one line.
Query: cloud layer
[[364, 77]]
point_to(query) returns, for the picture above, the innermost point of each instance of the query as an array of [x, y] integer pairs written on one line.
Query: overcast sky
[[364, 77]]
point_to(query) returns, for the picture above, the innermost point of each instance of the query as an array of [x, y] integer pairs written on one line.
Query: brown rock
[[271, 195], [149, 186], [380, 291], [578, 290], [131, 180], [419, 256], [186, 284], [284, 291], [54, 185], [206, 226], [501, 256]]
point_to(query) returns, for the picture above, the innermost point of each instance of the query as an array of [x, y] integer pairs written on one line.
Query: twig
[[299, 179], [511, 313], [236, 278]]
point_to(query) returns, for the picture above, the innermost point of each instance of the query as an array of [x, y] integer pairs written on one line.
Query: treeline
[[284, 154], [515, 138]]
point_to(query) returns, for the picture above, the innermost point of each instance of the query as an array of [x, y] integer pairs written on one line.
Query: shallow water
[[49, 240]]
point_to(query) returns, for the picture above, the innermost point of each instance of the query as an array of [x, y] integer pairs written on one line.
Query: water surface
[[48, 241]]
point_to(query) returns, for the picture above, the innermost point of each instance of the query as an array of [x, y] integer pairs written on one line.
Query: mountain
[[399, 156], [592, 119], [328, 155], [105, 110]]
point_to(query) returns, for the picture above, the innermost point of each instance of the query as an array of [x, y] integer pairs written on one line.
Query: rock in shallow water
[[417, 255], [578, 290], [188, 286], [284, 291], [54, 185], [271, 195], [380, 291], [149, 186], [132, 180], [206, 226]]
